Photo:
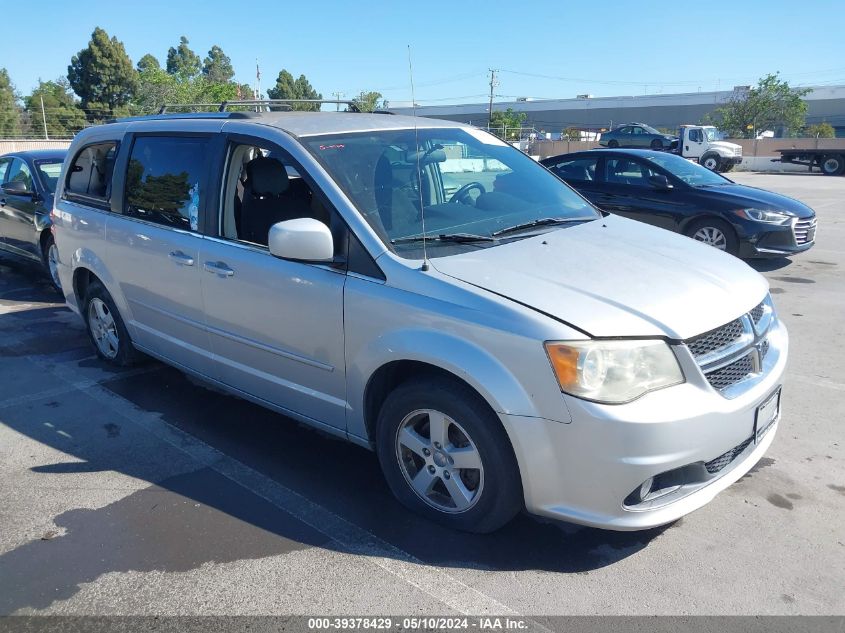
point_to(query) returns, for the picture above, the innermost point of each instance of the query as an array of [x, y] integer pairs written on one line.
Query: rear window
[[90, 174], [49, 171]]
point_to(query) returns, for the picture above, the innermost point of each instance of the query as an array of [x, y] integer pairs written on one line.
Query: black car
[[671, 192], [27, 183]]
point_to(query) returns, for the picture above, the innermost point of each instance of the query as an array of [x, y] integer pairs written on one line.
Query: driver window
[[264, 187], [638, 130]]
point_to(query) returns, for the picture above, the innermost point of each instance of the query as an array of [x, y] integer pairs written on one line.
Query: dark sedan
[[27, 184], [671, 192], [637, 135]]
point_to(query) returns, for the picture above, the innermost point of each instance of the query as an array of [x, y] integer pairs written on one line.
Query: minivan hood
[[616, 277], [745, 197]]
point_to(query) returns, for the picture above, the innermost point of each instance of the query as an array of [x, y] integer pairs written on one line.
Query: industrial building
[[825, 104]]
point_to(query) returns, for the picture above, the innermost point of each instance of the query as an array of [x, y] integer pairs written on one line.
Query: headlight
[[762, 215], [613, 372]]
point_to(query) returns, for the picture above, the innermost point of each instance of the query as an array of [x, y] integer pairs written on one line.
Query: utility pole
[[493, 84], [44, 118], [257, 80], [337, 96]]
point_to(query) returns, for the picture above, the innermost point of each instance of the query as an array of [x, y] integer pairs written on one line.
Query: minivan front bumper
[[584, 472]]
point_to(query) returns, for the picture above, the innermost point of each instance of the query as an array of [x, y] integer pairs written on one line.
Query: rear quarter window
[[89, 176]]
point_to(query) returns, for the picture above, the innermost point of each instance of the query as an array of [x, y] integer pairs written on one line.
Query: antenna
[[417, 152]]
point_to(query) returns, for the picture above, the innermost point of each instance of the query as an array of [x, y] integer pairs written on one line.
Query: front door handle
[[218, 268], [180, 258]]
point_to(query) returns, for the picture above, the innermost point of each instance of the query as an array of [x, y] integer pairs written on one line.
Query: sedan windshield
[[691, 173], [464, 187]]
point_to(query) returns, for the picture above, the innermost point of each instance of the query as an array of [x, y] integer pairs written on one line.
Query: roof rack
[[258, 103]]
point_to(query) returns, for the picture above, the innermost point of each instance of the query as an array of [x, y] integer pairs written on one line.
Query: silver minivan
[[424, 289]]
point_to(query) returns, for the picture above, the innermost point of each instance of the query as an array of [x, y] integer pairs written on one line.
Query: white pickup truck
[[701, 143]]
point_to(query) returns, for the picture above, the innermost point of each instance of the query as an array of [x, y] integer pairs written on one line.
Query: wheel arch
[[406, 355]]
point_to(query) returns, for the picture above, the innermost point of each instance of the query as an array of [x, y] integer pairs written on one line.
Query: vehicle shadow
[[769, 264], [182, 514]]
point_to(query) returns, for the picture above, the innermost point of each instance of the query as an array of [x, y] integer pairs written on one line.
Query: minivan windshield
[[691, 173], [471, 189]]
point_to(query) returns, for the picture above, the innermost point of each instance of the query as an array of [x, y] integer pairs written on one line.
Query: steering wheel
[[462, 193]]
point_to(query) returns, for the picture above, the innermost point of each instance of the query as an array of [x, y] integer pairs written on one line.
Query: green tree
[[182, 61], [571, 134], [288, 88], [102, 76], [148, 62], [507, 124], [158, 87], [10, 114], [768, 105], [367, 101], [61, 111], [820, 130], [217, 67]]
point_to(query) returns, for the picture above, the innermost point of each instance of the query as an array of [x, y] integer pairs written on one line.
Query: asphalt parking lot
[[141, 492]]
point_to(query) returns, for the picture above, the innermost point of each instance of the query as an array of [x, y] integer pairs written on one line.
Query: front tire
[[106, 329], [446, 456], [711, 162], [613, 143], [715, 233], [50, 258], [832, 165], [656, 144]]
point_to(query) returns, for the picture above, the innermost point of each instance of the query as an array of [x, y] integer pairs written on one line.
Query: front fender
[[492, 379]]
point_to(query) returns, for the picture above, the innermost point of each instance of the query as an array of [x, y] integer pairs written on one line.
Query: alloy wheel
[[711, 236], [103, 328], [439, 461]]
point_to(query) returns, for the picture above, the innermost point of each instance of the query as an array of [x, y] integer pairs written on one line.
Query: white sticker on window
[[484, 137]]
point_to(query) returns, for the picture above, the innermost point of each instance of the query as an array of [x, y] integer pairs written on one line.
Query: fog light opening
[[645, 488]]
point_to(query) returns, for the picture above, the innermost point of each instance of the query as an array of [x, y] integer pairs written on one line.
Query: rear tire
[[710, 161], [446, 456], [832, 164], [716, 233], [106, 329]]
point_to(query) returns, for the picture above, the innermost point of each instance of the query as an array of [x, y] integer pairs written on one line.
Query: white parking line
[[434, 581]]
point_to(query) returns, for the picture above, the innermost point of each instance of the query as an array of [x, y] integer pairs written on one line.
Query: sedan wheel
[[53, 265], [103, 328], [711, 236], [439, 461]]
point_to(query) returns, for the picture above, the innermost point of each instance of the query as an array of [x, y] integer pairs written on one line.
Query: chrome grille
[[737, 151], [716, 339], [757, 313], [715, 465], [805, 231], [731, 374]]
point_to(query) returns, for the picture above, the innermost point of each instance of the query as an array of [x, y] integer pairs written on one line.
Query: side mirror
[[302, 239], [659, 181], [17, 188]]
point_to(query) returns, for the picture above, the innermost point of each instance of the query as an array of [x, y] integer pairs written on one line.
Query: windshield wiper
[[538, 222], [446, 237]]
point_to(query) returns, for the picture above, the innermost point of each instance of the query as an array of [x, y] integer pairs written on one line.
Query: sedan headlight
[[613, 372], [764, 215]]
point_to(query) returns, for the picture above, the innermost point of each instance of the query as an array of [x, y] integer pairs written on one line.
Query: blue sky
[[543, 49]]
